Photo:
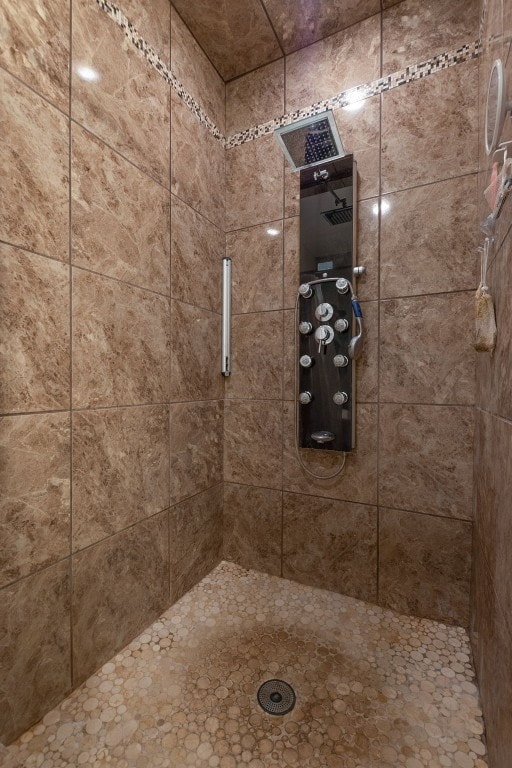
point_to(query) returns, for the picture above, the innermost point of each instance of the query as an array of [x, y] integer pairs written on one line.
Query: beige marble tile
[[120, 217], [195, 535], [256, 356], [255, 98], [343, 60], [196, 447], [152, 20], [257, 270], [35, 151], [121, 343], [289, 354], [197, 248], [426, 459], [120, 469], [35, 669], [291, 259], [424, 565], [34, 509], [367, 249], [195, 362], [414, 31], [254, 183], [358, 480], [291, 192], [198, 164], [359, 129], [227, 31], [502, 359], [300, 23], [372, 686], [34, 46], [253, 527], [330, 543], [429, 239], [128, 104], [196, 73], [426, 349], [34, 305], [252, 442], [119, 587], [430, 129]]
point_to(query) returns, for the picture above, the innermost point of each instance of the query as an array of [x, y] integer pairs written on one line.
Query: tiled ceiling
[[241, 35]]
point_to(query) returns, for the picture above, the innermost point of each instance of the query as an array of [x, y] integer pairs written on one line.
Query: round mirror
[[497, 107]]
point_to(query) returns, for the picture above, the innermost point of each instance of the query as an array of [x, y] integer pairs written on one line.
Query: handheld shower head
[[355, 346]]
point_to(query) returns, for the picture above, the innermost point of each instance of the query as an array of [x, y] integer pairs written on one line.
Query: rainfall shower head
[[310, 141]]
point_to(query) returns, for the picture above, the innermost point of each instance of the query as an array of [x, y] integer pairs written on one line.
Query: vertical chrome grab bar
[[226, 317]]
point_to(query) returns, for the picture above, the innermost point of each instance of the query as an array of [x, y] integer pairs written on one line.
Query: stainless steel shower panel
[[325, 366]]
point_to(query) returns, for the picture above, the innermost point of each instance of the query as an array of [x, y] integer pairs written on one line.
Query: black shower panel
[[326, 321]]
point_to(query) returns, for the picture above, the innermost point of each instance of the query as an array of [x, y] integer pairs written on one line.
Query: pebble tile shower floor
[[374, 689]]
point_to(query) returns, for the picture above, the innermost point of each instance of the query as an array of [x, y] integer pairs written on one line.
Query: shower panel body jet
[[328, 329]]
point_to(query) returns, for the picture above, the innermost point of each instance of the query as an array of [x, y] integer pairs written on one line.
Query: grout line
[[278, 39], [70, 244], [379, 296], [36, 93]]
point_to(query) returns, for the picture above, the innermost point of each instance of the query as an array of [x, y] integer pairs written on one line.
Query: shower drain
[[276, 697]]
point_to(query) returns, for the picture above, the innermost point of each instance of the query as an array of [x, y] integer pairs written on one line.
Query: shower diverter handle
[[324, 334]]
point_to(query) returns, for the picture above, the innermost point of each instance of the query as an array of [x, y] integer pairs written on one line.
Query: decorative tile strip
[[343, 99], [160, 66], [360, 92]]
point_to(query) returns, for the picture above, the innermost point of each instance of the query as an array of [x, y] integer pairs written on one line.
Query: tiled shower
[[137, 153]]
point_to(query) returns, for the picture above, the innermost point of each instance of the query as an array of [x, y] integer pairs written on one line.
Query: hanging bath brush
[[485, 324]]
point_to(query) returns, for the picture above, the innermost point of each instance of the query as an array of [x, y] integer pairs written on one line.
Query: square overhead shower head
[[310, 141]]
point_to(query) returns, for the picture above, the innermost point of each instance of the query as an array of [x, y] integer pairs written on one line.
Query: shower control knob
[[306, 361], [340, 361], [305, 398], [342, 285], [324, 312], [341, 325], [340, 398], [305, 290], [305, 327]]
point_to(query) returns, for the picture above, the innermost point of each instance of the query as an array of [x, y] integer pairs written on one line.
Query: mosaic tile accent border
[[161, 67], [411, 73]]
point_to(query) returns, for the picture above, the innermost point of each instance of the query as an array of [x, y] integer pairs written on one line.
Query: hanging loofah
[[485, 324]]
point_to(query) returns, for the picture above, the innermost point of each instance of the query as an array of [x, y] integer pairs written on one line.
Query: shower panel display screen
[[327, 328]]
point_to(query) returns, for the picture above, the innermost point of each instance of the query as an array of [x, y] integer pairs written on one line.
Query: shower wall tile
[[257, 273], [34, 309], [298, 24], [357, 482], [195, 535], [414, 31], [120, 469], [195, 343], [253, 527], [429, 239], [426, 349], [196, 73], [121, 343], [291, 261], [502, 359], [424, 565], [256, 356], [367, 249], [252, 442], [254, 183], [289, 361], [429, 129], [34, 508], [367, 366], [330, 544], [35, 47], [119, 587], [198, 164], [196, 447], [152, 19], [341, 61], [255, 98], [128, 105], [35, 669], [197, 248], [426, 459], [359, 131], [35, 155], [120, 217], [291, 192]]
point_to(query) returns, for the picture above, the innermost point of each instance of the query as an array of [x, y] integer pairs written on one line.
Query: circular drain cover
[[276, 697]]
